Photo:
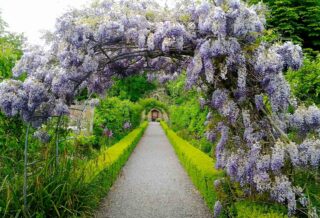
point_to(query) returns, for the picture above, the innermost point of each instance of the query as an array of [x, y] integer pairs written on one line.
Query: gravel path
[[153, 184]]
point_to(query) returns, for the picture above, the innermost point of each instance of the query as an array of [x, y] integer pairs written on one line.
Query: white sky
[[31, 17]]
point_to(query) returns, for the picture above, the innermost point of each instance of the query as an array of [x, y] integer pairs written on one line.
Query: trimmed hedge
[[198, 165], [100, 174], [114, 157], [200, 168]]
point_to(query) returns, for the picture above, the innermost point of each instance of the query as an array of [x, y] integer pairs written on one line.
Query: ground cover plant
[[265, 142]]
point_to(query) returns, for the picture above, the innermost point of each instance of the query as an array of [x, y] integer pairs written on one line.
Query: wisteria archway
[[219, 43]]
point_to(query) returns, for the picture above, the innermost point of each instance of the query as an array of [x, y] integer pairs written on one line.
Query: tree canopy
[[10, 50], [295, 20]]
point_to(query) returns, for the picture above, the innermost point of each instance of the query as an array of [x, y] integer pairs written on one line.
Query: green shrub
[[305, 83], [295, 20], [113, 113], [131, 88], [247, 209], [186, 116], [150, 103]]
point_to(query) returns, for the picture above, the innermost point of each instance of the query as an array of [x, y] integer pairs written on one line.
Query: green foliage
[[150, 103], [295, 20], [83, 145], [113, 113], [10, 50], [186, 116], [309, 180], [177, 92], [305, 83], [248, 209], [188, 121], [131, 88]]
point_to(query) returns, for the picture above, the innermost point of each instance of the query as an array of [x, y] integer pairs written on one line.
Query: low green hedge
[[114, 157], [200, 168], [100, 173]]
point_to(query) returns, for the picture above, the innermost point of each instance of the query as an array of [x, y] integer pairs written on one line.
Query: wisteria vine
[[219, 44]]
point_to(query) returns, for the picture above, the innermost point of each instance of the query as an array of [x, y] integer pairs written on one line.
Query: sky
[[32, 17]]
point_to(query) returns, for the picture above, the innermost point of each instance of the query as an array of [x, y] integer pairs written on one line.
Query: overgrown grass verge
[[74, 189], [101, 172], [200, 168]]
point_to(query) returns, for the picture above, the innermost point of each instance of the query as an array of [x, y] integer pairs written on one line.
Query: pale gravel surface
[[153, 184]]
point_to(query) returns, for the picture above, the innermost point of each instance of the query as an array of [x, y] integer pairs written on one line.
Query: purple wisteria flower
[[217, 209]]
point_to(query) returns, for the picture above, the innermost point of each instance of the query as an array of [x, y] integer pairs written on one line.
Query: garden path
[[153, 184]]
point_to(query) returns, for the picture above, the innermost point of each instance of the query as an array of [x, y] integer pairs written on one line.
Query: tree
[[220, 46], [10, 50], [295, 20], [132, 88]]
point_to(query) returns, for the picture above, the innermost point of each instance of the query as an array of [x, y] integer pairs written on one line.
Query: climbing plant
[[220, 45]]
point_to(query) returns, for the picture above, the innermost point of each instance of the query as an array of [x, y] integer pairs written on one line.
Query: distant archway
[[155, 114]]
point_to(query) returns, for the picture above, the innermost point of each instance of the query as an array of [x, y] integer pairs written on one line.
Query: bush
[[247, 209], [132, 88], [187, 118], [295, 20], [305, 83], [113, 113], [200, 168], [150, 103]]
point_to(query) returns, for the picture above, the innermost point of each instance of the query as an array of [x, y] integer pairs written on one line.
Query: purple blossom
[[306, 119], [127, 125], [277, 158], [219, 97], [263, 163], [217, 183], [291, 54], [202, 102], [259, 102], [262, 181], [209, 116], [219, 22], [217, 209], [61, 109], [211, 136], [292, 150], [94, 102]]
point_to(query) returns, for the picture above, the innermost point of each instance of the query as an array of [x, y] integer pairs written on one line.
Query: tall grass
[[64, 191]]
